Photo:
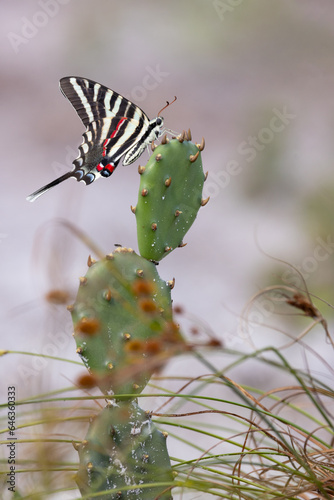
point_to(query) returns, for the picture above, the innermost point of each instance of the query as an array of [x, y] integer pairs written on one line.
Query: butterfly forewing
[[93, 101]]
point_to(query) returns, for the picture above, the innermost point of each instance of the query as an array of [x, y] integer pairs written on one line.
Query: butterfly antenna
[[168, 104]]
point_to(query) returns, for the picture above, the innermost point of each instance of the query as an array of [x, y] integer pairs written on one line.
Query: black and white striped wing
[[93, 101]]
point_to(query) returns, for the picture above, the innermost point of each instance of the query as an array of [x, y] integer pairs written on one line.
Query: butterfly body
[[115, 128]]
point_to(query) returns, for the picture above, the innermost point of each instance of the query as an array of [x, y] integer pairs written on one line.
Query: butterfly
[[115, 128]]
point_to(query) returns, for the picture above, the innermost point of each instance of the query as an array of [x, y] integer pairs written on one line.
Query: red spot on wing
[[104, 146], [110, 167]]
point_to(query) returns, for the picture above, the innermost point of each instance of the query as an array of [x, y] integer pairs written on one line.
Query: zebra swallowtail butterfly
[[115, 127]]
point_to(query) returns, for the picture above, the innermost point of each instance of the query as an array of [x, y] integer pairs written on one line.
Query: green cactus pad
[[123, 448], [123, 324], [170, 196]]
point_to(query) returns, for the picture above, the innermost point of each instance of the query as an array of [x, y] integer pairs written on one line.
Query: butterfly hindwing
[[104, 143]]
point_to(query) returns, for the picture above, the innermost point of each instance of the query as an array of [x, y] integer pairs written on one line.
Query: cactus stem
[[158, 157], [189, 134], [141, 169], [153, 146], [193, 158], [154, 226], [206, 175], [171, 283], [181, 245], [168, 182], [133, 209], [83, 280], [204, 202], [144, 192], [177, 213]]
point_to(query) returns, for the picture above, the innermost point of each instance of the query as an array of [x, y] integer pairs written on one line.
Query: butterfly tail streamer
[[44, 189]]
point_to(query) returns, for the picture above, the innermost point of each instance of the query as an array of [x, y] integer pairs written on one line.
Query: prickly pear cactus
[[122, 453], [123, 324], [170, 196]]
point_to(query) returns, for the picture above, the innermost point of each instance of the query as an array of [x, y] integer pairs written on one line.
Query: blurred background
[[254, 78]]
